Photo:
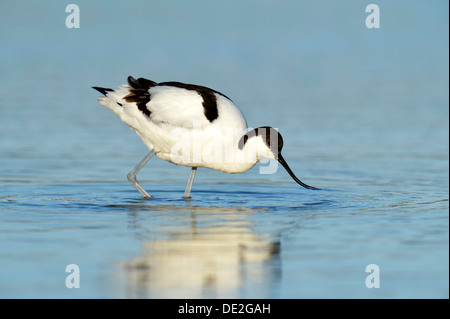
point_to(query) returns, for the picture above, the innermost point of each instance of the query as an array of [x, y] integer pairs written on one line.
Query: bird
[[193, 126]]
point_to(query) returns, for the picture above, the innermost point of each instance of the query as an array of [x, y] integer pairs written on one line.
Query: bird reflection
[[214, 254]]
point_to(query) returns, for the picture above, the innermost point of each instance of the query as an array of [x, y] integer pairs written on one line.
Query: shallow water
[[363, 113]]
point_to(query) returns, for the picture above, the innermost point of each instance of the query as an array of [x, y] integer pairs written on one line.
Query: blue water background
[[363, 113]]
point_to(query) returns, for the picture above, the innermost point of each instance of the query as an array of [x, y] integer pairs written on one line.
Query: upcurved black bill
[[288, 169]]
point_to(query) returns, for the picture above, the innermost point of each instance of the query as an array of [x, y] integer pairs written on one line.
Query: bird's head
[[269, 143]]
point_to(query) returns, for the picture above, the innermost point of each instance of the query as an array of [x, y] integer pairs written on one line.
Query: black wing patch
[[139, 93], [207, 94]]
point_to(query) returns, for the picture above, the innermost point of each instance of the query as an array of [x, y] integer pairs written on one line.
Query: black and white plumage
[[191, 125]]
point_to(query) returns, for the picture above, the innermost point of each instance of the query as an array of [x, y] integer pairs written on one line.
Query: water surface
[[363, 113]]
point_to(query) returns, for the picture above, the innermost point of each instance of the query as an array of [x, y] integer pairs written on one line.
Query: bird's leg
[[132, 174], [187, 192]]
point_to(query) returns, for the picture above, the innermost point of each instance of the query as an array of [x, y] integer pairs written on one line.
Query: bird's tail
[[112, 99]]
